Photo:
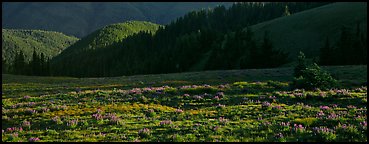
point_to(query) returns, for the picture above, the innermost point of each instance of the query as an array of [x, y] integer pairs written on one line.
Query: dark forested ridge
[[200, 40], [82, 18]]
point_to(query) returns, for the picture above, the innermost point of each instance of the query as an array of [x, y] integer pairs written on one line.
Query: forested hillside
[[200, 40], [99, 39], [49, 43]]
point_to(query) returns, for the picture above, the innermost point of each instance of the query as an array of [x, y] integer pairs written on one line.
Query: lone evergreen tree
[[301, 65], [286, 11]]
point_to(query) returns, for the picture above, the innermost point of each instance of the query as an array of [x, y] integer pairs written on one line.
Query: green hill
[[102, 38], [307, 30], [108, 35], [82, 18], [48, 42]]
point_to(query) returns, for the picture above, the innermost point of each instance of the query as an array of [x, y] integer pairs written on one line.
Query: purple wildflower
[[179, 111], [265, 104], [97, 116], [284, 124], [351, 107], [321, 130], [332, 116], [279, 135], [26, 124], [320, 114], [45, 109], [216, 128], [112, 118], [144, 132], [186, 95], [342, 92], [26, 97], [221, 86], [220, 94], [33, 139], [298, 127], [55, 119], [324, 107], [194, 86], [278, 107], [261, 97], [197, 97], [322, 94], [298, 94], [220, 105], [222, 120], [72, 123], [31, 104], [334, 105], [151, 111], [166, 122], [9, 129]]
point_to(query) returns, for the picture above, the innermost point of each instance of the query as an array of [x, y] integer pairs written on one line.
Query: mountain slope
[[200, 40], [102, 38], [48, 42], [108, 35], [82, 18], [307, 30]]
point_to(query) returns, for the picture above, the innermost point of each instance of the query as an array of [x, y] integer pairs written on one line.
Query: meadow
[[255, 105]]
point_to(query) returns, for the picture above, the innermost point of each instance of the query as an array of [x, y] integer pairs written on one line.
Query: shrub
[[313, 77]]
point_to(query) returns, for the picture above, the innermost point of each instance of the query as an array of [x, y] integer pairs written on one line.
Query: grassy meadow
[[255, 105]]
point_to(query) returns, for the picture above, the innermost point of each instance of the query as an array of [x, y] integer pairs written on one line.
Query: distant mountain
[[306, 31], [48, 42], [82, 18], [103, 38]]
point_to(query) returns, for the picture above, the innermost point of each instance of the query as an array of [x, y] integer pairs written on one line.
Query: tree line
[[39, 65], [350, 48]]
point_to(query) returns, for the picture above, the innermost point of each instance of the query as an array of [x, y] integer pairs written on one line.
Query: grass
[[306, 31], [234, 105]]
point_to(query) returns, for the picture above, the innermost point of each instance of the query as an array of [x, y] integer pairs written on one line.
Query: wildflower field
[[237, 105]]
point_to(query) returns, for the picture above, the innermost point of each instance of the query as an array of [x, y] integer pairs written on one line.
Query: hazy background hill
[[306, 31], [48, 42], [82, 18]]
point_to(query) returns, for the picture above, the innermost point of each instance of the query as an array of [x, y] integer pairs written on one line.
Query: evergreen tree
[[286, 11], [301, 65], [34, 63], [326, 53], [4, 66], [19, 64], [42, 65]]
